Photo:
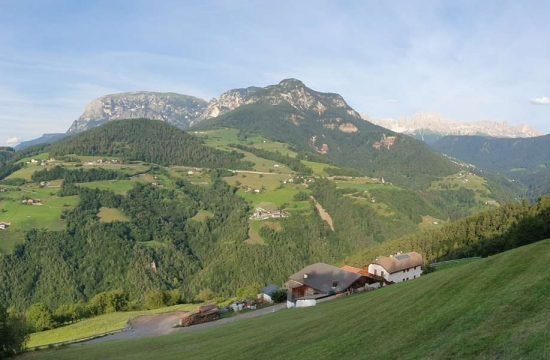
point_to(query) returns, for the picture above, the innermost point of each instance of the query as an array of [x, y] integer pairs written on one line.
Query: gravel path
[[163, 324]]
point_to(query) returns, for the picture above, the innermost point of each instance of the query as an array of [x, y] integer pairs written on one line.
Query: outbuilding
[[267, 292]]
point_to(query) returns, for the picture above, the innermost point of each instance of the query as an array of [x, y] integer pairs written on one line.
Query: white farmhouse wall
[[378, 270], [405, 275], [306, 303]]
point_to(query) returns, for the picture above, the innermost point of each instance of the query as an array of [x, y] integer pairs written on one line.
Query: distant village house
[[4, 225]]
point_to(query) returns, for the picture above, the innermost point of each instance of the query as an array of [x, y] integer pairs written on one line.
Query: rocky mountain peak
[[291, 83], [291, 91], [176, 109]]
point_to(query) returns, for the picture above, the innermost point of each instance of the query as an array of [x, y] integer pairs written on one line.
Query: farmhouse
[[397, 268], [4, 225], [318, 281]]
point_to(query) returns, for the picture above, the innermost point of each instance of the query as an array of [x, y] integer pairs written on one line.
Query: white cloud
[[543, 100], [12, 141]]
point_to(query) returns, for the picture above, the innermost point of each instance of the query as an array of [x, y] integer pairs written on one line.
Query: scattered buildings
[[397, 268], [386, 142], [31, 202], [263, 214], [4, 225]]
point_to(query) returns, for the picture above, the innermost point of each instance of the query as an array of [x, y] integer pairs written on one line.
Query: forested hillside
[[526, 160], [484, 234], [146, 140], [323, 124]]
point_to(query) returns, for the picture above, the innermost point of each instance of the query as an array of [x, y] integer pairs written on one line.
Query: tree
[[13, 333], [39, 317]]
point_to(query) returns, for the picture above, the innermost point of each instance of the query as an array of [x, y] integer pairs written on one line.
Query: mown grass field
[[495, 308], [27, 217], [96, 326], [109, 215]]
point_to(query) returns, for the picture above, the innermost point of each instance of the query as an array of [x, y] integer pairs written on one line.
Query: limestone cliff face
[[290, 91], [176, 109]]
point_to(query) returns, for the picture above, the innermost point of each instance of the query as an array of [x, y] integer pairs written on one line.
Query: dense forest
[[149, 141], [484, 234], [408, 162]]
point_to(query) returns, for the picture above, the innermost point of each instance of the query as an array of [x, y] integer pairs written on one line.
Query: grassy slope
[[493, 308], [96, 326]]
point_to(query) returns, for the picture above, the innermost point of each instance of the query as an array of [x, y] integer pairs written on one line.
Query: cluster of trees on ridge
[[150, 141]]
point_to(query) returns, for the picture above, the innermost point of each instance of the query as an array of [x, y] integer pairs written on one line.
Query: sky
[[467, 60]]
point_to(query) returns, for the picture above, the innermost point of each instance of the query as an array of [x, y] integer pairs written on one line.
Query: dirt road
[[163, 324]]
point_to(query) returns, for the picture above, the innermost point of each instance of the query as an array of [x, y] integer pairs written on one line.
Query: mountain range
[[431, 126]]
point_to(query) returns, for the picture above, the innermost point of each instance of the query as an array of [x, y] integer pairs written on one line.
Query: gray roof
[[269, 289], [323, 277]]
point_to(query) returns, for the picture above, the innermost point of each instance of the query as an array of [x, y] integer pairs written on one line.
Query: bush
[[205, 295], [39, 317], [301, 196], [248, 293], [155, 299], [279, 296], [107, 302]]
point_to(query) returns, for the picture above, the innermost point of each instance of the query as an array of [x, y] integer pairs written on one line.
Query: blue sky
[[468, 60]]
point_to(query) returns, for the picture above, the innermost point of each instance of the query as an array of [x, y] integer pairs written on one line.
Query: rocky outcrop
[[290, 91], [179, 110]]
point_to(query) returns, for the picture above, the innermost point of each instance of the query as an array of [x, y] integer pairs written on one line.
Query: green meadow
[[494, 308]]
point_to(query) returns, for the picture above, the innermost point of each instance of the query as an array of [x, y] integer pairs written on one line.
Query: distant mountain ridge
[[431, 126], [44, 139], [176, 109]]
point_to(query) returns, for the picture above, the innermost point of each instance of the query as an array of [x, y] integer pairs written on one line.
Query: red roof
[[355, 270]]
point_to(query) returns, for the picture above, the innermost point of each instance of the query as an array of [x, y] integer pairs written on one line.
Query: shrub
[[39, 317], [205, 295], [279, 296], [155, 299]]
